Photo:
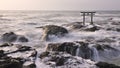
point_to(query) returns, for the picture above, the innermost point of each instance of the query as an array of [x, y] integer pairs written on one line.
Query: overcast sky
[[59, 4]]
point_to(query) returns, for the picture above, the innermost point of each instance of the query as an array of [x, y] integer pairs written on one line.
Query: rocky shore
[[89, 53]]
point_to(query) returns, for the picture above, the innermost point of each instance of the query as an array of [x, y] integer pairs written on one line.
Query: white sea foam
[[25, 23]]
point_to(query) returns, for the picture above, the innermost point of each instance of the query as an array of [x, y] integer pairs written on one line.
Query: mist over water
[[26, 23]]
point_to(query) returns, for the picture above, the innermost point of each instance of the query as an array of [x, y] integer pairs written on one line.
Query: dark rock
[[53, 30], [118, 29], [72, 48], [63, 59], [115, 23], [56, 57], [76, 25], [109, 29], [22, 39], [86, 52], [108, 40], [1, 53], [106, 65], [32, 65], [99, 47], [9, 37], [91, 28], [44, 54], [68, 47], [102, 47], [5, 45], [24, 48], [60, 61], [26, 54], [12, 37], [9, 62]]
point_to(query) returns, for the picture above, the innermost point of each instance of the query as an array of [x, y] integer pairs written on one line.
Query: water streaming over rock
[[95, 56]]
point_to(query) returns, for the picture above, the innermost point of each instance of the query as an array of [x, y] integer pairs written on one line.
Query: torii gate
[[88, 13]]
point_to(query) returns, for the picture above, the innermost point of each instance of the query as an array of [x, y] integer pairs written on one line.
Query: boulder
[[106, 65], [9, 37], [22, 39], [12, 37], [53, 30]]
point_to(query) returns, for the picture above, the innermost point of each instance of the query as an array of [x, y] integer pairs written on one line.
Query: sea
[[26, 23]]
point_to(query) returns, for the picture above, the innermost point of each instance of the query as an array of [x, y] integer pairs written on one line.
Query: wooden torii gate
[[86, 14]]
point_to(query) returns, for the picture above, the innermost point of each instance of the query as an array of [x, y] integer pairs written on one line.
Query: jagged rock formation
[[73, 48], [65, 60], [95, 52], [17, 56]]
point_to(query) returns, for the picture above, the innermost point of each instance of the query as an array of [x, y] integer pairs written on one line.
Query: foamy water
[[25, 23]]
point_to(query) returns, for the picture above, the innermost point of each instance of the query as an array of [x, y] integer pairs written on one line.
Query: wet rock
[[113, 29], [61, 59], [105, 52], [56, 57], [6, 44], [108, 40], [9, 37], [12, 37], [1, 53], [115, 23], [83, 49], [32, 65], [118, 29], [102, 47], [44, 54], [106, 65], [8, 62], [19, 53], [53, 30], [22, 39], [68, 47], [76, 25], [24, 48], [74, 48], [91, 28]]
